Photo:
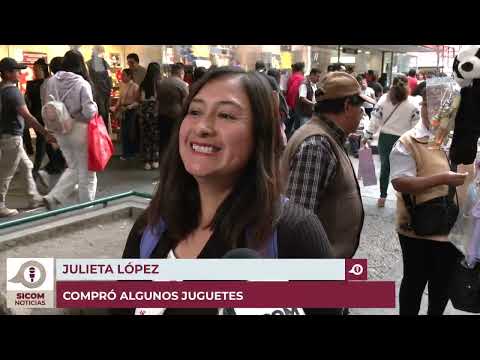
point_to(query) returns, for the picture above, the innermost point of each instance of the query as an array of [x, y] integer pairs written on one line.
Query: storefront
[[115, 55], [247, 55], [383, 59], [322, 56], [222, 55], [356, 58], [439, 60]]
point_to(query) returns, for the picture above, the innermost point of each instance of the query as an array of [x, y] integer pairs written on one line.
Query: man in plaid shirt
[[313, 168], [320, 175]]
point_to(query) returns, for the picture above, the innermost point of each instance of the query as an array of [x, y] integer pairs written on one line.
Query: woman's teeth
[[203, 149]]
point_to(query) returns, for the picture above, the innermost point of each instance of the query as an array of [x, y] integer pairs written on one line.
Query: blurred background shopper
[[126, 110], [293, 88], [56, 164], [13, 157], [395, 113], [72, 86], [99, 72], [171, 94], [138, 71], [34, 103], [306, 98], [149, 116]]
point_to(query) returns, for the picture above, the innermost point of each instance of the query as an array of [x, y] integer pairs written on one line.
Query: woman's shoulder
[[408, 137], [84, 84], [132, 246], [301, 234], [414, 101], [383, 100]]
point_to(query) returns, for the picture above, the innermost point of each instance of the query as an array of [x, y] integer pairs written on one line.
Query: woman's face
[[38, 72], [216, 136], [125, 77]]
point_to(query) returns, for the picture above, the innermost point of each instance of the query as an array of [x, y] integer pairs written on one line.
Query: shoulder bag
[[433, 217]]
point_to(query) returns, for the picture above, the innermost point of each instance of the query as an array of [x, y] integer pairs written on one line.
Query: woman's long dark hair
[[44, 66], [73, 62], [150, 81], [254, 202], [399, 90]]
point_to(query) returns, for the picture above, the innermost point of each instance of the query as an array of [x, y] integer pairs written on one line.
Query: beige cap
[[339, 84]]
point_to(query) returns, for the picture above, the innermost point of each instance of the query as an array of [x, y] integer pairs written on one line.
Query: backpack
[[55, 114]]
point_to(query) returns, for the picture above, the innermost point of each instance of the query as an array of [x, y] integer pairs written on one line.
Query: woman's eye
[[227, 116], [193, 112]]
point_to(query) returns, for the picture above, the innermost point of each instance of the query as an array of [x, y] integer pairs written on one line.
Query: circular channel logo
[[31, 274]]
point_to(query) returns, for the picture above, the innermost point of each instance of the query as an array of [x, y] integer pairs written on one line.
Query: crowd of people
[[242, 163], [148, 107]]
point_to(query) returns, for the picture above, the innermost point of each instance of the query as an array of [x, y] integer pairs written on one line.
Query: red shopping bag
[[100, 146]]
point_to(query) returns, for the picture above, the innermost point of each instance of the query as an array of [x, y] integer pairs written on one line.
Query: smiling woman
[[222, 168], [220, 187]]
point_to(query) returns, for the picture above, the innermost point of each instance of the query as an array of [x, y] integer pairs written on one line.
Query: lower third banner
[[223, 294]]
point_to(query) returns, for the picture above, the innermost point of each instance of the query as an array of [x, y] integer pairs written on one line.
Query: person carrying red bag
[[72, 86]]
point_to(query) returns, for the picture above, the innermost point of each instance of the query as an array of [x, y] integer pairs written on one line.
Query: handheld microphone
[[244, 253], [241, 253]]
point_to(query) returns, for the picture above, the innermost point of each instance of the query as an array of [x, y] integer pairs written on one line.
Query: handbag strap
[[389, 116], [409, 204]]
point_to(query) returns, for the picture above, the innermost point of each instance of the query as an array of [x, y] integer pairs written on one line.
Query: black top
[[284, 111], [171, 94], [98, 71], [300, 234], [33, 95], [11, 122]]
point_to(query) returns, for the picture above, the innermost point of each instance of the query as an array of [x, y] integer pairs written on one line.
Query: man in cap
[[98, 69], [319, 172], [13, 114]]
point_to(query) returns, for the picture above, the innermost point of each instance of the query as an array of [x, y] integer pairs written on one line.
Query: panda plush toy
[[466, 68]]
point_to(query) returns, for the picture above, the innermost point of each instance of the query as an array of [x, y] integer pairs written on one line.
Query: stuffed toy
[[466, 68]]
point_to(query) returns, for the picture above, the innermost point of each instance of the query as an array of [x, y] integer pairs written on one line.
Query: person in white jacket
[[395, 113], [73, 88]]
